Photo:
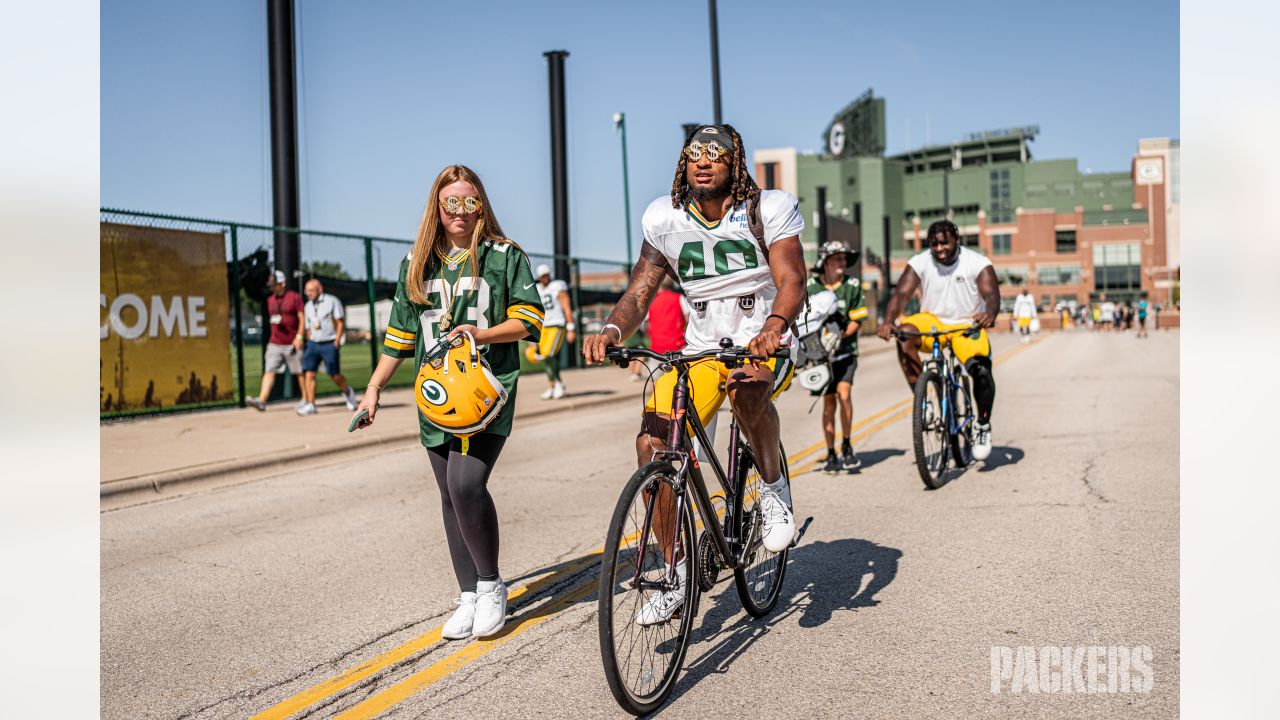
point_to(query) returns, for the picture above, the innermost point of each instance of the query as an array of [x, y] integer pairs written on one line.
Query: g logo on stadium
[[434, 393]]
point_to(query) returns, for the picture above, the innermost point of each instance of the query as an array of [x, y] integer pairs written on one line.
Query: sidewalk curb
[[157, 481], [154, 482]]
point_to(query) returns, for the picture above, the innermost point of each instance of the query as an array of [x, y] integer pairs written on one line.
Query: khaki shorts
[[280, 357]]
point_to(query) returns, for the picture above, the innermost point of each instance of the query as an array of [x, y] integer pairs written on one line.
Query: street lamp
[[620, 124]]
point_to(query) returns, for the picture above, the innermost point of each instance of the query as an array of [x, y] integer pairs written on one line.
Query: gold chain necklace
[[448, 291]]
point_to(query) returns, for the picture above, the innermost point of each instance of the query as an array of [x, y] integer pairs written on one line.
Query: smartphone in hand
[[361, 420]]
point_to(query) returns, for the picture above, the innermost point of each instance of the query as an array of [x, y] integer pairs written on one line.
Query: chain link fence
[[360, 270]]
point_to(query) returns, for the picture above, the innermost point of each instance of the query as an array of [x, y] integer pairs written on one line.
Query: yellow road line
[[460, 659], [377, 704], [903, 412]]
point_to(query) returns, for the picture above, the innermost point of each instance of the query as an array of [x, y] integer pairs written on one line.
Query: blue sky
[[390, 92]]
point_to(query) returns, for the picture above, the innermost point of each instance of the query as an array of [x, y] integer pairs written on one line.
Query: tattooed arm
[[629, 312]]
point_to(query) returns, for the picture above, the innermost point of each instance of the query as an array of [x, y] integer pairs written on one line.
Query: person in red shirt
[[284, 347], [668, 315]]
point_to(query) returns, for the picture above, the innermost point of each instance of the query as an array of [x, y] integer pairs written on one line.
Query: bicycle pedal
[[800, 533]]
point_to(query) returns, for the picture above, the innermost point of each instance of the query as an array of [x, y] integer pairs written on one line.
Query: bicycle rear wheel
[[929, 426], [642, 662], [759, 574]]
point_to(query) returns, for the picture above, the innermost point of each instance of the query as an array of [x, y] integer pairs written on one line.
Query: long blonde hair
[[431, 234]]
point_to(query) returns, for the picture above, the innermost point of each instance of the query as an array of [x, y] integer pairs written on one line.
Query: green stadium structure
[[1069, 236]]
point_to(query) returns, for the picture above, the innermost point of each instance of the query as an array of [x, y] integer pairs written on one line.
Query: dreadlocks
[[743, 186]]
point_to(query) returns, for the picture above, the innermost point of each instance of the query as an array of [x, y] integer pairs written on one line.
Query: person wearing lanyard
[[463, 279], [324, 323]]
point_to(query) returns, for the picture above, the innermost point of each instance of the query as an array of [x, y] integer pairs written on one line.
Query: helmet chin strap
[[475, 354]]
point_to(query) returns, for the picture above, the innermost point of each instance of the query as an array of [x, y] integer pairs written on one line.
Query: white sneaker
[[301, 404], [491, 608], [307, 409], [458, 627], [982, 442], [547, 395], [350, 397], [557, 392], [255, 403], [662, 605], [779, 524]]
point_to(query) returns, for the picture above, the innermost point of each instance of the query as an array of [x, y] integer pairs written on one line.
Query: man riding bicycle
[[736, 251], [958, 288]]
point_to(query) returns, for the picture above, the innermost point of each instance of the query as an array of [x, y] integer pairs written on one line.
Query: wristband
[[569, 327], [374, 387], [773, 315], [615, 327]]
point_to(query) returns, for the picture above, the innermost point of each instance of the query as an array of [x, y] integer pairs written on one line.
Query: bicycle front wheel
[[962, 441], [759, 573], [642, 638], [929, 425]]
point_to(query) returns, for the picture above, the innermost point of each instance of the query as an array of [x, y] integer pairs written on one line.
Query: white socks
[[485, 586], [782, 488]]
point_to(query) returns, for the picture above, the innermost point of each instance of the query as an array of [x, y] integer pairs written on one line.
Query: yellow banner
[[165, 320]]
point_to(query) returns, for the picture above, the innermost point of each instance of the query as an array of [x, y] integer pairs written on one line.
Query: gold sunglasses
[[461, 206], [713, 150]]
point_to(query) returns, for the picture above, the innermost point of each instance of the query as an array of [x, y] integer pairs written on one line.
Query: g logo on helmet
[[433, 392]]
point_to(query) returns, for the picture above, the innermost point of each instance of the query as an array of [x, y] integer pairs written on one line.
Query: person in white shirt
[[1024, 308], [958, 288], [735, 250], [324, 317], [557, 326]]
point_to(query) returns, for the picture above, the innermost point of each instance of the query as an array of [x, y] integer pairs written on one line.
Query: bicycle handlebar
[[731, 356], [902, 333]]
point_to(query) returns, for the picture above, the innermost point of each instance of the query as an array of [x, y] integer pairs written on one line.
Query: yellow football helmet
[[455, 390]]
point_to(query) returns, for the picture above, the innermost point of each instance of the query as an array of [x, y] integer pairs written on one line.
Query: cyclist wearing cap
[[831, 273], [735, 249], [557, 326], [958, 287]]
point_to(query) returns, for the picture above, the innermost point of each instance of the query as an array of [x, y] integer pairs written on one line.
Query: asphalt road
[[317, 594]]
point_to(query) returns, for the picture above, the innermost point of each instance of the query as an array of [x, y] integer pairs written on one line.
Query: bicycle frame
[[945, 363], [688, 469]]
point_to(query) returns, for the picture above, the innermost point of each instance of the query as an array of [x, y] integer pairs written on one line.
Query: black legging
[[470, 518], [984, 386]]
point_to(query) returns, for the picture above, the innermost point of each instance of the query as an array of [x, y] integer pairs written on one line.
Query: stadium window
[[1065, 241], [770, 176], [1001, 244], [1058, 274]]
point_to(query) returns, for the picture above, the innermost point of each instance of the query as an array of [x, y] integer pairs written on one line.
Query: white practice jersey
[[719, 262], [1024, 306], [550, 294], [950, 292]]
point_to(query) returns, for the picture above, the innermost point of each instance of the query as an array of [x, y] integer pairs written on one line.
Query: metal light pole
[[620, 124], [715, 62]]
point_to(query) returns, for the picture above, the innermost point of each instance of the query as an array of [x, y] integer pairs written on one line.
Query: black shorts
[[841, 371]]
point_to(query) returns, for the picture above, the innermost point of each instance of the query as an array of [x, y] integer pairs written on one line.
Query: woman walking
[[468, 286]]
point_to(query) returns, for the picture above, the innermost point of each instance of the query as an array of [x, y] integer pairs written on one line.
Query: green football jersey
[[851, 304], [503, 289]]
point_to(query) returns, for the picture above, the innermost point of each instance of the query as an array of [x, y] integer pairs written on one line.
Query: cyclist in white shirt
[[1024, 308], [958, 287], [557, 327], [739, 286]]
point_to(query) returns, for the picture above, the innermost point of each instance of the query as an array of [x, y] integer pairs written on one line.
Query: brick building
[[1068, 236]]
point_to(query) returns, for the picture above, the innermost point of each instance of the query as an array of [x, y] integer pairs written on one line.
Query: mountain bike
[[942, 417], [653, 536]]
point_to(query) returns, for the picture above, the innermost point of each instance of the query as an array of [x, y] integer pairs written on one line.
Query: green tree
[[326, 268]]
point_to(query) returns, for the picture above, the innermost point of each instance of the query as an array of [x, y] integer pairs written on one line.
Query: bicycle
[[642, 553], [942, 416]]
